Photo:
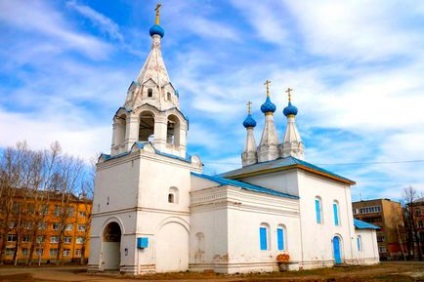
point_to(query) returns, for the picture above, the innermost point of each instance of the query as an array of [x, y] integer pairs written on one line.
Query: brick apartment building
[[388, 215]]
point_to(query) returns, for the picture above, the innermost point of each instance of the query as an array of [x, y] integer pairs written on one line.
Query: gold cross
[[249, 105], [157, 9], [267, 82], [288, 91]]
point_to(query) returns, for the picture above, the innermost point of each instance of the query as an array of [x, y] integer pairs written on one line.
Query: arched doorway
[[111, 246], [146, 126], [173, 131], [337, 250], [172, 248]]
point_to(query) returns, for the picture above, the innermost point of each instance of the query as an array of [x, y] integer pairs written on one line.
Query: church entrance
[[172, 248], [336, 250], [111, 246]]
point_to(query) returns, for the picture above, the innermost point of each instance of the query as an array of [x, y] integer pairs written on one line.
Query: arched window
[[359, 243], [146, 126], [281, 237], [168, 96], [150, 92], [264, 237], [173, 130], [318, 210], [173, 195], [336, 213]]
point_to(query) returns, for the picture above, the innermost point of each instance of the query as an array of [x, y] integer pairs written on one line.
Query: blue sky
[[356, 68]]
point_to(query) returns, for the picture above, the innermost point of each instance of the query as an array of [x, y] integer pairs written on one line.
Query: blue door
[[336, 249]]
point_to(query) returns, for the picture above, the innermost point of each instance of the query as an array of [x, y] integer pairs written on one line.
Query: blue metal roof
[[255, 188], [359, 224], [281, 164]]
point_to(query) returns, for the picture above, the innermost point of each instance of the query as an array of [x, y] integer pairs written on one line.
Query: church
[[155, 211]]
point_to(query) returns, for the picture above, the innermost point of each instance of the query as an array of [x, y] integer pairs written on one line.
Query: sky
[[356, 68]]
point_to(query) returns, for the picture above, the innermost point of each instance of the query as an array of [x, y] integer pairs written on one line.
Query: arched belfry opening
[[173, 131], [120, 128], [111, 246], [146, 126]]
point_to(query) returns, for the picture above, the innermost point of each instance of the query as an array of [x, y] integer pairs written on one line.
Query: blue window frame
[[336, 213], [280, 238], [318, 210], [263, 234], [359, 243]]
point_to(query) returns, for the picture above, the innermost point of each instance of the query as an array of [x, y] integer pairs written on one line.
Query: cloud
[[103, 22], [35, 18]]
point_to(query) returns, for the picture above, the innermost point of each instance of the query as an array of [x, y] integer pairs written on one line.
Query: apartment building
[[45, 227], [388, 215]]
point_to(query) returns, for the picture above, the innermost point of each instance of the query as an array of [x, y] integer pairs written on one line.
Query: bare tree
[[410, 197]]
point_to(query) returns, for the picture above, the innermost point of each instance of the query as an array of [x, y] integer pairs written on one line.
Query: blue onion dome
[[249, 121], [290, 110], [268, 106], [157, 29]]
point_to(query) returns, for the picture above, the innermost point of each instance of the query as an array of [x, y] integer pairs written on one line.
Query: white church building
[[155, 211]]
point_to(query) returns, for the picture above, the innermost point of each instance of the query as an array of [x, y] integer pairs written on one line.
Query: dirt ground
[[385, 271]]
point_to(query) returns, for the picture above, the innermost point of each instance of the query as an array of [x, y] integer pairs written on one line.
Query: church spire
[[292, 143], [249, 155], [268, 148], [153, 85]]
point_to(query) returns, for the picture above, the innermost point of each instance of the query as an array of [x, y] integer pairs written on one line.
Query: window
[[374, 209], [56, 226], [25, 251], [12, 224], [173, 195], [54, 239], [67, 240], [336, 213], [11, 238], [82, 214], [66, 252], [168, 96], [78, 253], [53, 252], [42, 225], [382, 249], [81, 227], [26, 238], [79, 240], [69, 227], [45, 210], [71, 211], [380, 239], [150, 92], [318, 210], [40, 239], [264, 237], [420, 224], [359, 243], [10, 251], [281, 234], [28, 225], [56, 211]]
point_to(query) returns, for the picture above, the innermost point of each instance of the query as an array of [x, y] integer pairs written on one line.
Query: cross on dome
[[157, 9]]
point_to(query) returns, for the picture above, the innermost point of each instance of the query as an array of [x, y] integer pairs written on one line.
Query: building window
[[42, 225], [56, 211], [318, 210], [26, 238], [264, 237], [78, 253], [173, 195], [56, 226], [66, 252], [336, 213], [359, 243], [281, 238], [12, 224], [380, 239], [82, 214], [420, 224], [54, 239], [11, 238], [168, 96], [67, 240], [374, 209], [10, 251], [150, 92], [79, 240], [71, 211], [81, 227], [69, 227], [53, 252], [40, 239], [25, 251], [382, 249]]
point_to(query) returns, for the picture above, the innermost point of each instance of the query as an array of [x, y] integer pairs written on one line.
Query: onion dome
[[290, 110], [156, 29], [268, 106], [249, 121]]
